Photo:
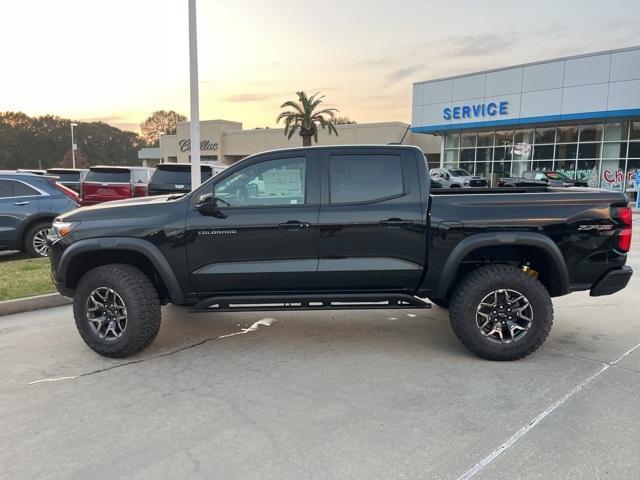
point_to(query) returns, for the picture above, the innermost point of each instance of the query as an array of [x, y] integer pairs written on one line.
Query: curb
[[39, 302]]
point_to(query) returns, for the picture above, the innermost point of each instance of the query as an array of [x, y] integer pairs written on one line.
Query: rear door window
[[364, 178], [23, 190], [109, 176], [13, 188]]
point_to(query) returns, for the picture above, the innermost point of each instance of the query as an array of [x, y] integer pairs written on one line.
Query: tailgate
[[94, 192]]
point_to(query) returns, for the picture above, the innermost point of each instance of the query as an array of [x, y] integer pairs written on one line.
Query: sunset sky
[[117, 61]]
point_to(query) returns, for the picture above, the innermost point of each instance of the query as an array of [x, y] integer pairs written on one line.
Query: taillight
[[68, 192], [623, 238]]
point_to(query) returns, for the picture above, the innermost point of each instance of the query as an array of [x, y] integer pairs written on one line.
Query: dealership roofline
[[539, 62]]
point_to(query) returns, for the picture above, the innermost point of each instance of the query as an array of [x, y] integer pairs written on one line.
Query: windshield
[[459, 172], [180, 175], [557, 176], [109, 175]]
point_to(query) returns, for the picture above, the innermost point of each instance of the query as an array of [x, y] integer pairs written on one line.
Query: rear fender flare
[[480, 240]]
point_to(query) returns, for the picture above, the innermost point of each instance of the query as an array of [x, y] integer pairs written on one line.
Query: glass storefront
[[604, 153]]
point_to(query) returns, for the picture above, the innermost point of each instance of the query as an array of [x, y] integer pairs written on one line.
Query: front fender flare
[[144, 247], [490, 239]]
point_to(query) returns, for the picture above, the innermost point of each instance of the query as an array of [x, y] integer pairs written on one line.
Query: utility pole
[[74, 147], [195, 105]]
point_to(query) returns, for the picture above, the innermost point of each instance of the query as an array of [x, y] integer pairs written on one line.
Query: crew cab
[[341, 227], [108, 183], [540, 178]]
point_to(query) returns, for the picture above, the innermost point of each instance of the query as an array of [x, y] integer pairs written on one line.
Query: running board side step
[[352, 301]]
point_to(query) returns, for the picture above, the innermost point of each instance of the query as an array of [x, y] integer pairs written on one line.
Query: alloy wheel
[[504, 316], [106, 313], [40, 242]]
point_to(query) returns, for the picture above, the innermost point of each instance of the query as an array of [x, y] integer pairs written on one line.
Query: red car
[[103, 184]]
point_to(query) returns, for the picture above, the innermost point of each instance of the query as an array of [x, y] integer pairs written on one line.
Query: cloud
[[481, 44], [249, 97], [402, 73]]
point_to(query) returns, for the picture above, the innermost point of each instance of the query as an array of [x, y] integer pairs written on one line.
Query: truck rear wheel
[[499, 312], [117, 310]]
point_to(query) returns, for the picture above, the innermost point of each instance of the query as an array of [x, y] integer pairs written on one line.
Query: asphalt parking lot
[[353, 395]]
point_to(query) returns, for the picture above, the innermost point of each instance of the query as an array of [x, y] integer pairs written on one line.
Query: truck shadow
[[370, 331]]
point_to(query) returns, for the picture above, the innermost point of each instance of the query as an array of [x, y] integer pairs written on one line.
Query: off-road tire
[[28, 246], [142, 307], [481, 282], [440, 302]]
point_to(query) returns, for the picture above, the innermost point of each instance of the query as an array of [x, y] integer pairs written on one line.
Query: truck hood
[[131, 207]]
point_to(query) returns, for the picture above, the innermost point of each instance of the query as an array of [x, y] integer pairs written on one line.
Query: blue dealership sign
[[478, 110]]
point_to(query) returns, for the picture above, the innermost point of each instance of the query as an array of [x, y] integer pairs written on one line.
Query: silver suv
[[456, 178]]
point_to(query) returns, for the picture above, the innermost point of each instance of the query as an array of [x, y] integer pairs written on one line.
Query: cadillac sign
[[185, 145]]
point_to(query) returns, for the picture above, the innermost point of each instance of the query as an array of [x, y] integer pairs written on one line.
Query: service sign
[[476, 111]]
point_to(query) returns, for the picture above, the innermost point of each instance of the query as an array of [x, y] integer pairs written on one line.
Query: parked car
[[107, 183], [335, 228], [69, 177], [539, 178], [28, 205], [456, 178], [175, 178], [29, 170]]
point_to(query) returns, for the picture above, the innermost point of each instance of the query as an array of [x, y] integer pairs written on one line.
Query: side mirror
[[205, 204]]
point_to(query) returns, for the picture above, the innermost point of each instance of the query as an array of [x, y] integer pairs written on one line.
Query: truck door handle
[[21, 203], [294, 225], [396, 222]]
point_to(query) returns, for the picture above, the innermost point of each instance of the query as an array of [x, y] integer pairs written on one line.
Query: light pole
[[195, 109], [73, 146]]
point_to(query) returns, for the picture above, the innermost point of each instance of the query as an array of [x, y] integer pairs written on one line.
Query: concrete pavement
[[353, 395]]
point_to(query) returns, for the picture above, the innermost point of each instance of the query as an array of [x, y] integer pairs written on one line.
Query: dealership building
[[578, 115], [225, 142]]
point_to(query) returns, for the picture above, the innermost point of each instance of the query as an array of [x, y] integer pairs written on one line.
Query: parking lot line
[[524, 430]]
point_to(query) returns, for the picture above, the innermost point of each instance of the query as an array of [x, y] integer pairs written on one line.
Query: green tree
[[304, 117], [160, 122], [43, 142]]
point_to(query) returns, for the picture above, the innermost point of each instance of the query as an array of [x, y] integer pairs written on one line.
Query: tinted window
[[12, 188], [362, 178], [178, 175], [22, 190], [6, 189], [273, 182], [108, 176], [66, 176]]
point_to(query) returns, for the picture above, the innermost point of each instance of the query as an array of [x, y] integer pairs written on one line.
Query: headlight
[[60, 229], [466, 182]]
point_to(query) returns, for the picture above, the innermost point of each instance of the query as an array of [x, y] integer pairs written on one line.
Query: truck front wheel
[[117, 310], [500, 313]]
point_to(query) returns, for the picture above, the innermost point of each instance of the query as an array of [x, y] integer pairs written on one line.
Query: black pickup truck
[[335, 228]]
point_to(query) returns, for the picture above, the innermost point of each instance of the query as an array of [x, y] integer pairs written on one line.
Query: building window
[[605, 154], [567, 134]]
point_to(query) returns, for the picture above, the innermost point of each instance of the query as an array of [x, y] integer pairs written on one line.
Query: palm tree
[[304, 117]]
